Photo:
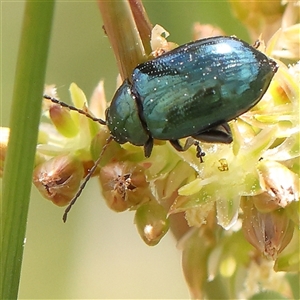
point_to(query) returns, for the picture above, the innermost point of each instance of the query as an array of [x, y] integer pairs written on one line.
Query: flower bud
[[99, 141], [269, 232], [151, 222], [88, 128], [98, 103], [58, 179], [280, 184], [265, 203], [201, 31], [62, 120], [197, 246], [289, 260], [159, 44], [61, 117], [123, 185]]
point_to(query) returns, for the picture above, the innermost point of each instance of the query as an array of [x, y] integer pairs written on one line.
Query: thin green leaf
[[24, 122]]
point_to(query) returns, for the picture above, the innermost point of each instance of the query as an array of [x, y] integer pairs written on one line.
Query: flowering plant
[[244, 194]]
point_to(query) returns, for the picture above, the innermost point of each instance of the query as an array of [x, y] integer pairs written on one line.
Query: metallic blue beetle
[[193, 90]]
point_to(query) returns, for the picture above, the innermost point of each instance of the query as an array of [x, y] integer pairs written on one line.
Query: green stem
[[128, 29], [24, 122]]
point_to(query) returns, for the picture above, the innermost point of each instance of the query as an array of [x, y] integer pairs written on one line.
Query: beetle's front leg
[[188, 143]]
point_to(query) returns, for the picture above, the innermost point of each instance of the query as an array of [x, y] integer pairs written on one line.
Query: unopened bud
[[281, 185], [62, 120], [201, 31], [197, 246], [269, 232], [58, 179], [152, 222], [99, 141], [159, 44], [98, 103], [265, 203]]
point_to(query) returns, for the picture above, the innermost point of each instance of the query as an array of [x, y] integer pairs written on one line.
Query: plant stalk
[[24, 123]]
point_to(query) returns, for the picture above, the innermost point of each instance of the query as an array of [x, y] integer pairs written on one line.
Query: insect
[[191, 91]]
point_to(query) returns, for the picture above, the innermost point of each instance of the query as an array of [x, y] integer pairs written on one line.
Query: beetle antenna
[[80, 111], [86, 179]]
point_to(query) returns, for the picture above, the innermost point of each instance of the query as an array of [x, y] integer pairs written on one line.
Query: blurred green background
[[97, 253]]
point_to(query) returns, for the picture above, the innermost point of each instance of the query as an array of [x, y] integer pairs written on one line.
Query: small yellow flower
[[63, 152]]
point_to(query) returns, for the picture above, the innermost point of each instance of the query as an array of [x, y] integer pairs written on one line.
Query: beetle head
[[123, 118]]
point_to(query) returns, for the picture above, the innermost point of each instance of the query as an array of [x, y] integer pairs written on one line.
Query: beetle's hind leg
[[219, 134], [188, 143]]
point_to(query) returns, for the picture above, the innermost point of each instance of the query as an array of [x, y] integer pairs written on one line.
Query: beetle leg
[[219, 134], [177, 146], [256, 44], [199, 153], [148, 147], [188, 143]]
